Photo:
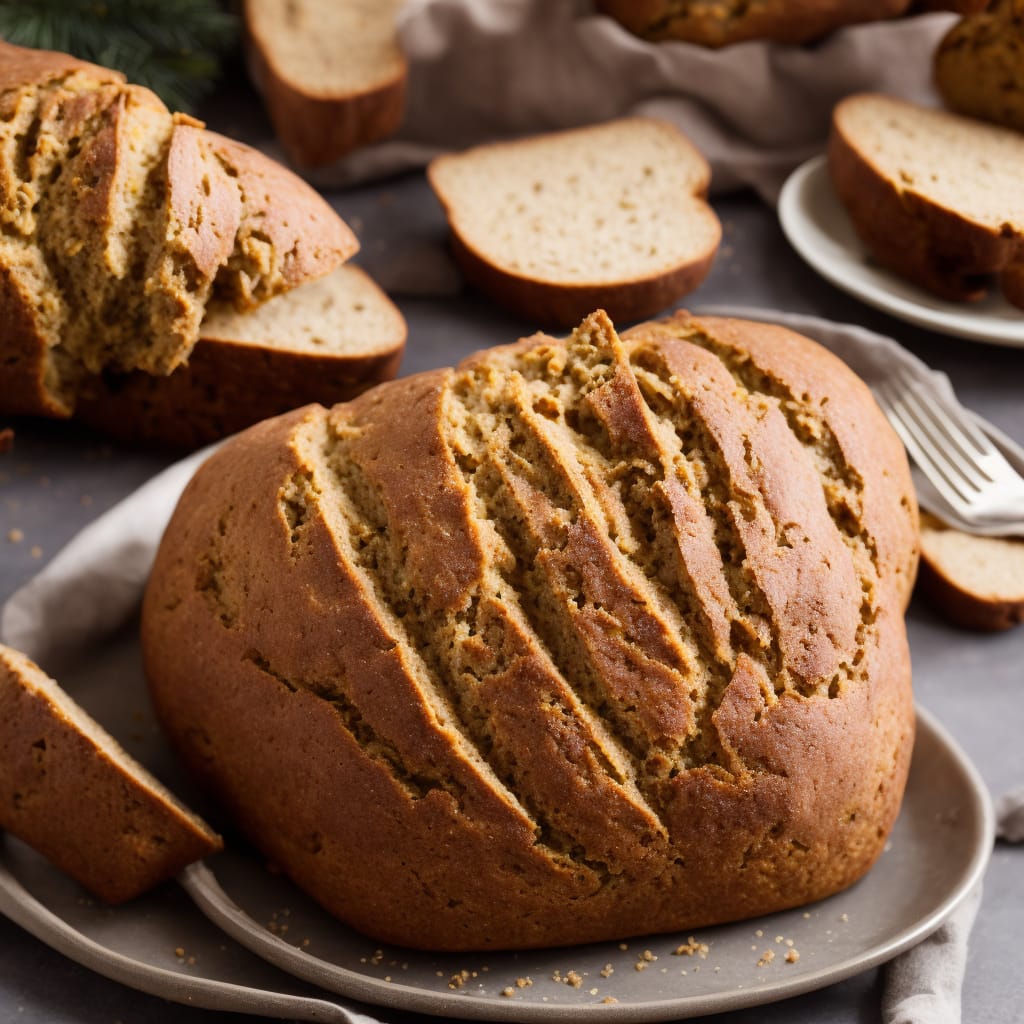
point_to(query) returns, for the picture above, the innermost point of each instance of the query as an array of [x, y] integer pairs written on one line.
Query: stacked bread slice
[[935, 196], [122, 222]]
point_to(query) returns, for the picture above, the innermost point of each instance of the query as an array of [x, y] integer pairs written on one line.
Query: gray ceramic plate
[[161, 944], [819, 229]]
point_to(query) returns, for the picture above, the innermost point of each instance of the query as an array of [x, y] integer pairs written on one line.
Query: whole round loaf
[[578, 640]]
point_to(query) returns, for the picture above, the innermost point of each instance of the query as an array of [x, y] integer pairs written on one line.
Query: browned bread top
[[70, 791], [717, 23], [578, 640], [121, 221], [979, 65]]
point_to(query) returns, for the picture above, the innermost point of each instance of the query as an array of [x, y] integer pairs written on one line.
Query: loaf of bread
[[120, 221], [578, 640], [935, 196], [70, 791], [979, 65], [714, 23], [555, 225], [976, 582], [331, 72], [324, 341]]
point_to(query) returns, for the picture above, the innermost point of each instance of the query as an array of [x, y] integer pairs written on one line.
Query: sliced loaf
[[977, 582], [935, 196], [121, 221], [325, 341], [332, 73], [554, 226], [70, 791]]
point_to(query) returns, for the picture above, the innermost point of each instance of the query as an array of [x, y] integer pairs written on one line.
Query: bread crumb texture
[[581, 639], [119, 221], [547, 224]]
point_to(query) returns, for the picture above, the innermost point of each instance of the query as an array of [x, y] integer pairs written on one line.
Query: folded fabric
[[485, 71]]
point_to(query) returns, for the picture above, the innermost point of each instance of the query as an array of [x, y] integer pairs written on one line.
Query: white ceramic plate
[[937, 853], [818, 227]]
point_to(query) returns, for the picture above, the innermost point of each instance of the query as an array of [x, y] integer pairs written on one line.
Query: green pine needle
[[171, 46]]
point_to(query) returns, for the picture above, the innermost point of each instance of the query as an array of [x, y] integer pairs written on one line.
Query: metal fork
[[963, 464]]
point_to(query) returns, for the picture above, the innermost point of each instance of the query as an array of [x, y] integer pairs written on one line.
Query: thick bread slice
[[331, 72], [70, 791], [325, 341], [979, 65], [554, 226], [935, 196], [977, 582], [577, 640], [121, 220]]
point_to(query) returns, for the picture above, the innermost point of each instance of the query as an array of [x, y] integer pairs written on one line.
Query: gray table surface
[[60, 476]]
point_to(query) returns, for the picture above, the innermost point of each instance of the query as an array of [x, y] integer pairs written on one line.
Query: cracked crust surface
[[119, 223], [618, 622]]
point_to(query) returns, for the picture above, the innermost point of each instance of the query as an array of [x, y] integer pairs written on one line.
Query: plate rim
[[803, 232], [200, 883]]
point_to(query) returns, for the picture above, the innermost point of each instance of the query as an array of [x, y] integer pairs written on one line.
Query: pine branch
[[171, 46]]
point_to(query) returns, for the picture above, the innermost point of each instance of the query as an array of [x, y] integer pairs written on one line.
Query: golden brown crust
[[979, 65], [25, 374], [614, 622], [120, 220], [21, 66], [935, 246], [289, 233], [225, 387], [714, 23], [561, 305], [1011, 281], [68, 791]]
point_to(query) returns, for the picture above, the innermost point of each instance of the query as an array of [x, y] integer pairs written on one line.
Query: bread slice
[[555, 226], [324, 341], [935, 196], [70, 791], [121, 221], [332, 73], [979, 65], [977, 582]]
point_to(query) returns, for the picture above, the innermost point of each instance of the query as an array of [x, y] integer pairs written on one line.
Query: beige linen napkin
[[492, 69], [94, 585]]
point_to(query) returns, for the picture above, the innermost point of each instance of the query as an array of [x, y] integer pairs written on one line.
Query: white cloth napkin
[[482, 70], [93, 587]]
